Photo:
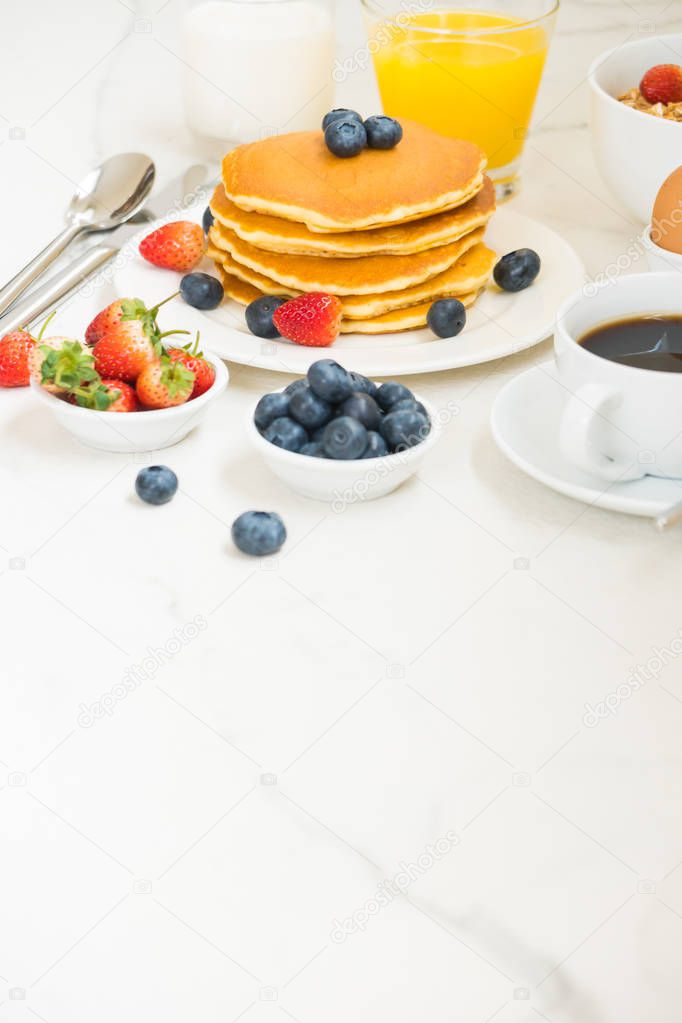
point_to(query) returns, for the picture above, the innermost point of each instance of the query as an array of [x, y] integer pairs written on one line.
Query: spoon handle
[[38, 265]]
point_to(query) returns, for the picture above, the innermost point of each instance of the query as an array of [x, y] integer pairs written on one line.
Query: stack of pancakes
[[388, 232]]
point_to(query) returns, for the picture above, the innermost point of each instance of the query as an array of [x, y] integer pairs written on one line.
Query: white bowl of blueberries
[[336, 436]]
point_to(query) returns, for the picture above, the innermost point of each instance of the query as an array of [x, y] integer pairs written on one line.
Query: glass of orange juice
[[471, 71]]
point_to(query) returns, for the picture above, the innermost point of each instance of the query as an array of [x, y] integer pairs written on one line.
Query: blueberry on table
[[269, 408], [405, 429], [340, 115], [383, 132], [156, 484], [308, 409], [345, 439], [376, 446], [259, 316], [201, 291], [208, 220], [363, 384], [286, 433], [447, 317], [346, 138], [391, 393], [330, 381], [517, 270], [259, 533], [363, 408]]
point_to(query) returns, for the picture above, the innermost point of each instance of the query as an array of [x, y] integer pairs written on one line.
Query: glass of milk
[[257, 67]]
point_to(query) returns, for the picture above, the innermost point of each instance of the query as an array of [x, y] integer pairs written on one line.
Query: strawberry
[[15, 349], [662, 84], [111, 317], [14, 352], [164, 384], [131, 341], [192, 359], [106, 396], [175, 246], [313, 320], [60, 364]]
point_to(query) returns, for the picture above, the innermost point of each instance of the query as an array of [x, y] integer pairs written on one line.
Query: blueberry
[[363, 408], [376, 446], [286, 433], [295, 385], [409, 403], [309, 410], [340, 115], [517, 270], [313, 450], [447, 317], [317, 435], [390, 393], [269, 408], [259, 316], [345, 438], [405, 429], [361, 383], [208, 220], [346, 138], [330, 381], [201, 291], [258, 533], [156, 484], [383, 132]]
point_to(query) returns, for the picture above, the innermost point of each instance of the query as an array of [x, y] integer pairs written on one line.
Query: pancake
[[277, 235], [365, 275], [388, 323], [297, 178], [470, 273]]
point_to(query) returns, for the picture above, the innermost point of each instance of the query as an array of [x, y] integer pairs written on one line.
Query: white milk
[[256, 66]]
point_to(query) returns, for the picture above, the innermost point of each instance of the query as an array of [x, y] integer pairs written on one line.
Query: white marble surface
[[294, 734]]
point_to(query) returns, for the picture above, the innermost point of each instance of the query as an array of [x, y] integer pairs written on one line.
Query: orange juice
[[469, 74]]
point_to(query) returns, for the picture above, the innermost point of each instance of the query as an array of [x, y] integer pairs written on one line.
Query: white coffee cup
[[620, 422]]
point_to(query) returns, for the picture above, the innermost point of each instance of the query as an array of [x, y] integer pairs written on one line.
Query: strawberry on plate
[[176, 246], [662, 84], [106, 396], [164, 384], [193, 360], [313, 320]]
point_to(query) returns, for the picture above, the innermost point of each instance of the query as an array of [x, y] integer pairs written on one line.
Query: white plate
[[525, 424], [500, 324]]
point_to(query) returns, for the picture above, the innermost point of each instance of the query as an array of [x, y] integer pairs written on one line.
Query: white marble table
[[356, 782]]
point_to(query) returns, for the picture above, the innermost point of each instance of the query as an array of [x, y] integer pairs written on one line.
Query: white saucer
[[525, 424], [499, 325]]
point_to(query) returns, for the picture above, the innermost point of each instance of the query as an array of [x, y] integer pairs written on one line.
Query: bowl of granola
[[636, 118]]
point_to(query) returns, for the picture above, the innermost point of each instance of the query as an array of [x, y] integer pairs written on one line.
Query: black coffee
[[647, 342]]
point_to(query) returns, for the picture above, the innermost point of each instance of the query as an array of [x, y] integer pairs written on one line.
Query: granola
[[670, 111]]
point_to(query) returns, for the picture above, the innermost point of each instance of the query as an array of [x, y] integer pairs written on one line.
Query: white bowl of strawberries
[[127, 387]]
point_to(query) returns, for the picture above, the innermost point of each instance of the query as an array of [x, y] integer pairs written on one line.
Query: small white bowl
[[635, 152], [342, 483], [660, 260], [135, 432]]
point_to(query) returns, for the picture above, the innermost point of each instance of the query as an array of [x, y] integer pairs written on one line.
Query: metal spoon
[[109, 196]]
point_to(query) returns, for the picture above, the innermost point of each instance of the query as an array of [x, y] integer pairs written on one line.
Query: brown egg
[[666, 221]]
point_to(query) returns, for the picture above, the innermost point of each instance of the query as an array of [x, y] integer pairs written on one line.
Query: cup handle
[[578, 434]]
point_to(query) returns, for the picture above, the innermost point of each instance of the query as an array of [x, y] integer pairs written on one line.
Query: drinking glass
[[470, 72]]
